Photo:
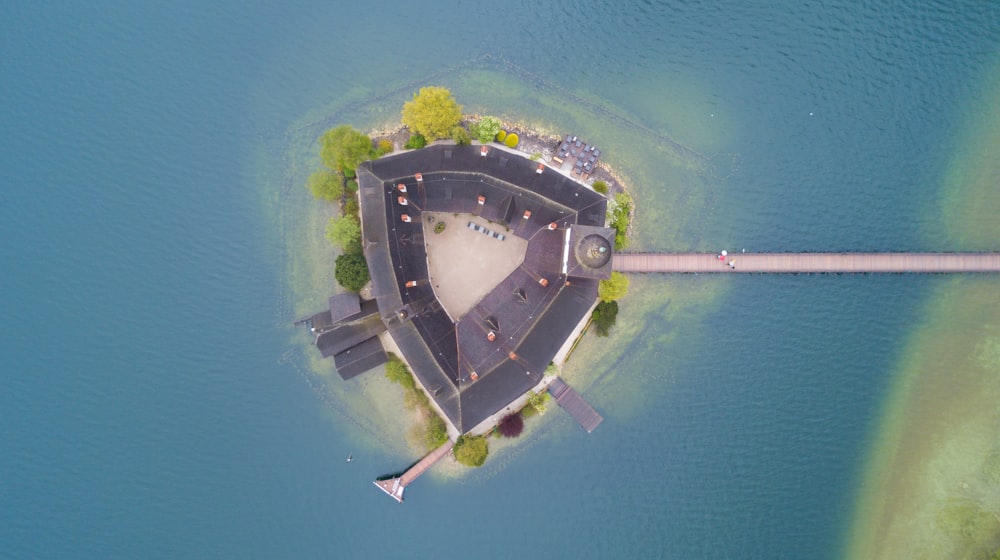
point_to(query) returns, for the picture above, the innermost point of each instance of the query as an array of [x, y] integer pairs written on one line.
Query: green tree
[[326, 185], [471, 450], [351, 271], [487, 129], [601, 187], [461, 136], [433, 113], [343, 148], [415, 142], [345, 231], [604, 317], [613, 288]]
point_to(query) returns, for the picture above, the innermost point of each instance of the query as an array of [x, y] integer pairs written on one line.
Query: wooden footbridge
[[394, 486], [790, 263]]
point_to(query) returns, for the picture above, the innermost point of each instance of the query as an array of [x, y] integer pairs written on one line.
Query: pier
[[394, 487], [573, 403], [819, 263]]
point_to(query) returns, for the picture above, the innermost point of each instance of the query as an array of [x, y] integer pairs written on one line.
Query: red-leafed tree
[[511, 425]]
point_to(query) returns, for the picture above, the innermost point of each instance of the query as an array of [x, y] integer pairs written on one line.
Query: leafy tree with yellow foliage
[[433, 113]]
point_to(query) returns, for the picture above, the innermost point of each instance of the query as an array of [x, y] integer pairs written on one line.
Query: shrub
[[619, 211], [601, 187], [535, 156], [326, 185], [604, 317], [351, 185], [538, 401], [471, 451], [527, 411], [345, 231], [487, 129], [613, 288], [511, 426], [501, 136], [439, 227], [382, 148], [351, 271], [397, 372], [461, 136], [512, 140], [436, 432], [351, 207], [415, 142]]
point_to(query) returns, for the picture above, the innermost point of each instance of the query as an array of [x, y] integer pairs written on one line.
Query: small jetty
[[818, 263], [394, 486], [573, 403]]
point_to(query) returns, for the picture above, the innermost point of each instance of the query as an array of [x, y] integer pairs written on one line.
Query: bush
[[439, 227], [512, 140], [601, 187], [471, 451], [461, 136], [326, 185], [351, 185], [527, 411], [382, 148], [415, 142], [619, 211], [487, 129], [345, 231], [539, 401], [613, 288], [604, 317], [511, 426], [351, 207], [535, 156], [397, 372], [501, 136], [351, 271], [436, 432]]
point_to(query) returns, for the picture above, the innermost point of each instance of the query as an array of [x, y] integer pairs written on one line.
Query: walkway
[[808, 262], [573, 403], [394, 486]]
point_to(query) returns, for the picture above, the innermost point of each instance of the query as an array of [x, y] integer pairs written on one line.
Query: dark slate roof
[[532, 320], [344, 336], [343, 306], [361, 358]]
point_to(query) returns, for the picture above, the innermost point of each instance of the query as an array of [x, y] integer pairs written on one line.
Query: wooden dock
[[789, 263], [394, 487], [573, 403]]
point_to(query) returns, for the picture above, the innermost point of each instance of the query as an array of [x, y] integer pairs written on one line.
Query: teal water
[[148, 409]]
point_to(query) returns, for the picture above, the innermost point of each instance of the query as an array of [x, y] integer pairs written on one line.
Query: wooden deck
[[394, 487], [573, 403], [808, 262]]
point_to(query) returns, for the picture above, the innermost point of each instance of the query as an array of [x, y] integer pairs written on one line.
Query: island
[[485, 266]]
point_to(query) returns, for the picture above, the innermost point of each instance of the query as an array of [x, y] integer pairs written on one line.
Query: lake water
[[157, 244]]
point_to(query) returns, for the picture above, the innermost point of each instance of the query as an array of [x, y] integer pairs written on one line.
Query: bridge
[[790, 263]]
